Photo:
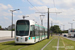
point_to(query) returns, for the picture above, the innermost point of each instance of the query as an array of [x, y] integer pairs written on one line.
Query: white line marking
[[47, 44], [58, 44]]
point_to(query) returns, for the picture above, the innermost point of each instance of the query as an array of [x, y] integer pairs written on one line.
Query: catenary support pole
[[48, 34]]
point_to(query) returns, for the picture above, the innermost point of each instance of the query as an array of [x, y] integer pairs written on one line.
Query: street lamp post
[[41, 19], [12, 22], [63, 27], [71, 25]]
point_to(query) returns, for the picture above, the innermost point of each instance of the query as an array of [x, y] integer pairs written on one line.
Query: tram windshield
[[22, 28]]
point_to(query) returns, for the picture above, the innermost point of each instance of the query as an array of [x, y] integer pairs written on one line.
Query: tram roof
[[36, 24]]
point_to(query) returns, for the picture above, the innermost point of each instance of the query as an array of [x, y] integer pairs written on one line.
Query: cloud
[[57, 22], [4, 9], [36, 2], [54, 21], [58, 3], [20, 11], [65, 13], [23, 0], [5, 14], [39, 8], [20, 16], [5, 18], [9, 6], [3, 6]]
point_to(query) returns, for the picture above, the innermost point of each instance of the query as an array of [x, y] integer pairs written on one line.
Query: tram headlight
[[17, 38], [26, 38]]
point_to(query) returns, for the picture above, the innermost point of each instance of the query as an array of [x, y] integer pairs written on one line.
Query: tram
[[28, 32]]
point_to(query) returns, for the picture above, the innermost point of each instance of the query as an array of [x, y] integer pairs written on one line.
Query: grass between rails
[[69, 44], [52, 45], [64, 44], [61, 45]]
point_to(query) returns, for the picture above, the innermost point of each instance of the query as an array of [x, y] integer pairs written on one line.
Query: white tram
[[28, 32], [71, 33]]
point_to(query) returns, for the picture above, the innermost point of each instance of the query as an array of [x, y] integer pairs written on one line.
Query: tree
[[55, 29], [65, 31], [0, 27], [13, 29]]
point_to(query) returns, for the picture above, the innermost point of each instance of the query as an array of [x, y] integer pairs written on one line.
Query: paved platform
[[4, 39]]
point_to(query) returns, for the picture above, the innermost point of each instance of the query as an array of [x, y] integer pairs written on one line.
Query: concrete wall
[[4, 33]]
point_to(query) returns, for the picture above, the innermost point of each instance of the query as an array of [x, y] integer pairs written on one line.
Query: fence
[[5, 33]]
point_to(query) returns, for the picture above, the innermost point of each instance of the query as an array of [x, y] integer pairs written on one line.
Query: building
[[10, 27]]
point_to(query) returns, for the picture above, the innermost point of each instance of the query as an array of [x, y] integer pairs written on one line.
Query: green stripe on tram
[[31, 37], [39, 26], [36, 25], [37, 37]]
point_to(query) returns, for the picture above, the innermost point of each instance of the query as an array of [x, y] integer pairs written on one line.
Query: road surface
[[73, 39]]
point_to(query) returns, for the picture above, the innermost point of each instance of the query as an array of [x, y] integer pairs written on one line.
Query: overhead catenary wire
[[54, 5], [55, 8], [33, 5]]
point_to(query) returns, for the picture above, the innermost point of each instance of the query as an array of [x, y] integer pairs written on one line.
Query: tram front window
[[22, 28]]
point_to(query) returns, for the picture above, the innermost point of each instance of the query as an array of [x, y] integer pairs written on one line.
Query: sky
[[66, 7]]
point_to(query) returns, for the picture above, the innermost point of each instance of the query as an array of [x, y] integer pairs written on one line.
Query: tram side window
[[36, 31], [32, 31], [44, 31], [40, 31]]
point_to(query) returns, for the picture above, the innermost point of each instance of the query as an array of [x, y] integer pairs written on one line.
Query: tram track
[[47, 44], [63, 43], [22, 47], [58, 44]]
